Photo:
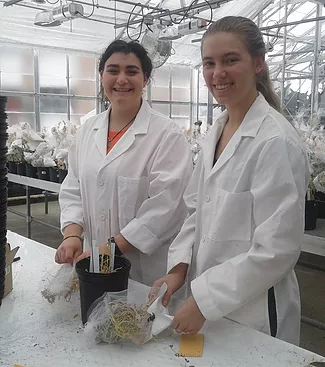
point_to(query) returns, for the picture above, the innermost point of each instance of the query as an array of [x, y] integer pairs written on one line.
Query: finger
[[178, 331], [82, 256], [175, 324], [166, 298], [58, 257], [158, 283], [77, 254], [68, 258]]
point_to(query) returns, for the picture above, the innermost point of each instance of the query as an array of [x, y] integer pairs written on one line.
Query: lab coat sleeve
[[168, 176], [69, 196], [180, 250], [278, 188]]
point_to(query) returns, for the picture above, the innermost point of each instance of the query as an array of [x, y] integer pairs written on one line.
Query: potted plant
[[62, 169], [16, 160], [113, 276]]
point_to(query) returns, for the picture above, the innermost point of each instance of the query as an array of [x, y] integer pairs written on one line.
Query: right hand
[[69, 250], [174, 280]]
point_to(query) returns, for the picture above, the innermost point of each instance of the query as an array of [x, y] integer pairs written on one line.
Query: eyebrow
[[232, 53], [117, 66]]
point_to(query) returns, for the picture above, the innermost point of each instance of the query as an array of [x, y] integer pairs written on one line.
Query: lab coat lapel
[[209, 144], [248, 128], [101, 128], [228, 152], [139, 126]]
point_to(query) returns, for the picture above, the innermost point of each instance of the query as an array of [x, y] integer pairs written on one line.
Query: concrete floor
[[311, 282]]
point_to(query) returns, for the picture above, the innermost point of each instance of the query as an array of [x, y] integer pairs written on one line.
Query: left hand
[[188, 319]]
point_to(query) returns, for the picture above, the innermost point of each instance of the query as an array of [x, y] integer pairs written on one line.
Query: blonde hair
[[252, 37]]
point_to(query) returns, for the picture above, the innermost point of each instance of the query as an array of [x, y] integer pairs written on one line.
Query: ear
[[101, 75], [259, 64], [145, 80]]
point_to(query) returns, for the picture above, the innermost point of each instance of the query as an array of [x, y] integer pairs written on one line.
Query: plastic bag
[[121, 315], [62, 284]]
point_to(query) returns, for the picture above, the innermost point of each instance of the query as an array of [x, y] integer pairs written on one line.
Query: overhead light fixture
[[58, 15]]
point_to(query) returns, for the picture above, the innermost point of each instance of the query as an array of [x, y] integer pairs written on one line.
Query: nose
[[219, 72], [122, 79]]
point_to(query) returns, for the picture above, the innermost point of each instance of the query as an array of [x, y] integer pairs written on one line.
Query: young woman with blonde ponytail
[[246, 198]]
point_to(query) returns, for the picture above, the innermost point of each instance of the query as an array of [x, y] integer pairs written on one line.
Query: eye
[[231, 60], [132, 72], [112, 71], [207, 64]]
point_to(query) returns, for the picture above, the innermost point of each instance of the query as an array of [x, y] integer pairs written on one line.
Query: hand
[[174, 280], [69, 250], [188, 319]]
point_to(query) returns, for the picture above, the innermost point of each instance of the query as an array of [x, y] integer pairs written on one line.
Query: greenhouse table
[[35, 333], [39, 184]]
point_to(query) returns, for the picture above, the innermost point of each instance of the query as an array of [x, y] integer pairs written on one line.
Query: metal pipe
[[180, 11], [316, 19], [102, 7], [318, 324], [316, 71], [11, 2], [138, 4], [284, 52]]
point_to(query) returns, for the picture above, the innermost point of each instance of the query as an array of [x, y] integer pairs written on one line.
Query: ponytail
[[264, 85]]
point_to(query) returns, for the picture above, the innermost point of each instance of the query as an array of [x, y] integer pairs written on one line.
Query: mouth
[[122, 90], [222, 87]]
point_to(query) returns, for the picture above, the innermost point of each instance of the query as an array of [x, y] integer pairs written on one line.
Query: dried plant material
[[117, 316], [62, 284]]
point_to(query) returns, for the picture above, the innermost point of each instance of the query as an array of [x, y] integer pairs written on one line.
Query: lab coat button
[[203, 239], [101, 183], [207, 199], [103, 217]]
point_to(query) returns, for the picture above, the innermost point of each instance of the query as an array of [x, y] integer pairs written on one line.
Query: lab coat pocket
[[231, 219], [131, 193]]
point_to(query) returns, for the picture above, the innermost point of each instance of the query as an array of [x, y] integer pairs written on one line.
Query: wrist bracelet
[[71, 236]]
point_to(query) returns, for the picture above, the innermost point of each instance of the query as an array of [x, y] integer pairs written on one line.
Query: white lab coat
[[246, 223], [141, 180]]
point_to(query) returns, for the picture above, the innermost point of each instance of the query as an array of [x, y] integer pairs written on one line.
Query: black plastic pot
[[62, 174], [3, 140], [21, 169], [43, 173], [310, 215], [31, 171], [320, 199], [3, 101], [3, 196], [94, 285], [12, 167], [54, 174]]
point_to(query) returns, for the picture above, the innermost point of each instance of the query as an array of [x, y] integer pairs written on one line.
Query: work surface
[[35, 333]]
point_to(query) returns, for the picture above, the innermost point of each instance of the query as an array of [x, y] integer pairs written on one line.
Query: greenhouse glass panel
[[53, 104], [17, 118], [52, 119], [180, 111], [16, 60], [20, 103], [160, 77], [17, 82], [160, 93], [162, 108], [82, 67], [80, 87], [52, 64], [82, 106]]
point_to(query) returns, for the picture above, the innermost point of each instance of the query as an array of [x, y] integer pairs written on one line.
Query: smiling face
[[123, 79], [229, 70]]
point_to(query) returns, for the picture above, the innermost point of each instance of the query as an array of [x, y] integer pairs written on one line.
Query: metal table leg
[[46, 202], [28, 214]]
